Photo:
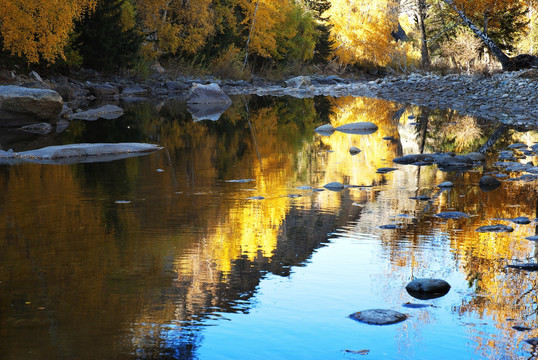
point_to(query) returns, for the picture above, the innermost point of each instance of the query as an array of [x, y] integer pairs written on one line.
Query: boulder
[[207, 94], [22, 106], [523, 220], [489, 183], [134, 91], [378, 316], [108, 112], [425, 289], [358, 128], [454, 161], [102, 90], [299, 82]]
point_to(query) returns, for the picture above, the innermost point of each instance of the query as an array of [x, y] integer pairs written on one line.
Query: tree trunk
[[421, 15], [495, 50], [250, 34]]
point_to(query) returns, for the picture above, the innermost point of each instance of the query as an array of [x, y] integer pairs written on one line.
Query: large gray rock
[[378, 316], [207, 94], [22, 106], [299, 82], [358, 128], [106, 91]]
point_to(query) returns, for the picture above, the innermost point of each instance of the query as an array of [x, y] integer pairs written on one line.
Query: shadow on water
[[133, 258]]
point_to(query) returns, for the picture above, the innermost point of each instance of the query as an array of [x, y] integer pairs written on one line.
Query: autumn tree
[[362, 30], [39, 29]]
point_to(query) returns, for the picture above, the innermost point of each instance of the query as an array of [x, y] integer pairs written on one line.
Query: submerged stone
[[378, 316], [495, 228], [420, 198], [415, 306], [452, 215], [425, 289], [489, 183]]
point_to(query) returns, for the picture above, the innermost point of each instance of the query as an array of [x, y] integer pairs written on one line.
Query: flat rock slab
[[521, 220], [378, 316], [108, 112], [495, 228], [415, 159], [358, 128], [78, 153], [452, 215], [425, 289], [20, 102]]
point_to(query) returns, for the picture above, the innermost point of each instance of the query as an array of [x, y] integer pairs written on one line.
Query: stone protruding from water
[[207, 94], [325, 130], [452, 215], [334, 186], [495, 228], [425, 289], [488, 183], [378, 316], [358, 128], [354, 150]]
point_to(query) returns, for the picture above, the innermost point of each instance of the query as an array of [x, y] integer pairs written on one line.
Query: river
[[226, 245]]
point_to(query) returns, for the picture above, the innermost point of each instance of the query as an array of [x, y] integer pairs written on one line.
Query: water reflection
[[132, 258]]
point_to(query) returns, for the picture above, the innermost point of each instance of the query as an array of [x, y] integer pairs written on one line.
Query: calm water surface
[[225, 245]]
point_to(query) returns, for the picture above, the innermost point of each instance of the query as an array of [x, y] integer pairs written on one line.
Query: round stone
[[425, 289], [489, 183], [334, 186], [378, 316]]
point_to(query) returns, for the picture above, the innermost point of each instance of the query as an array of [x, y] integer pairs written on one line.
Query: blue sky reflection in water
[[226, 245]]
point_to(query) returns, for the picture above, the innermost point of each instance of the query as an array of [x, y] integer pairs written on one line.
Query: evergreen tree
[[106, 39]]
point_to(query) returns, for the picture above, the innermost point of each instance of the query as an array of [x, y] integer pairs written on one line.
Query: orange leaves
[[39, 29]]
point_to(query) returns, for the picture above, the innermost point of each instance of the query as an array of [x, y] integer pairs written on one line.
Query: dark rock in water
[[452, 215], [521, 220], [521, 328], [325, 130], [412, 159], [389, 138], [525, 267], [378, 317], [425, 289], [532, 238], [354, 150], [454, 161], [506, 155], [385, 170], [390, 227], [415, 306], [256, 198], [532, 341], [495, 228], [334, 186], [358, 128], [517, 146], [476, 157], [420, 198], [489, 183]]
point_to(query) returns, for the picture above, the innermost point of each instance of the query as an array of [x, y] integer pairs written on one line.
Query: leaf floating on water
[[358, 352]]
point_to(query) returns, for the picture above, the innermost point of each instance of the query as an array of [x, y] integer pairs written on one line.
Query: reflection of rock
[[207, 111], [425, 289], [108, 112], [358, 128], [78, 153], [41, 128], [378, 317], [22, 106]]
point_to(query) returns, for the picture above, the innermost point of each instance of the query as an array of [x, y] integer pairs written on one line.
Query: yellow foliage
[[361, 30], [39, 29]]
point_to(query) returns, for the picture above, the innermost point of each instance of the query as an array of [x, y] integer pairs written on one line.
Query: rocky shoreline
[[509, 97]]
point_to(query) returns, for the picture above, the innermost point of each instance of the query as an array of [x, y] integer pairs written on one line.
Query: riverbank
[[509, 97]]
